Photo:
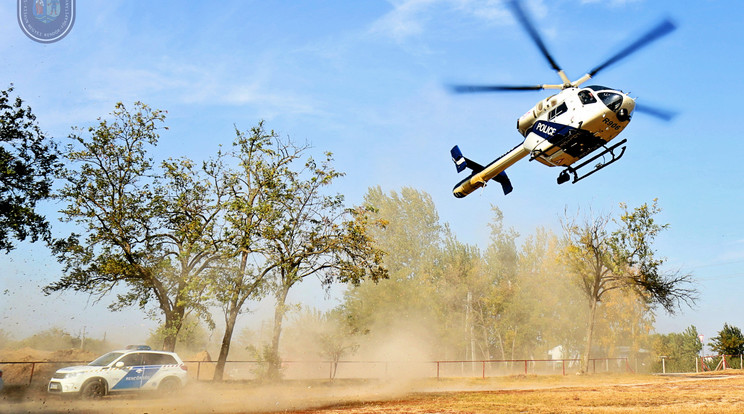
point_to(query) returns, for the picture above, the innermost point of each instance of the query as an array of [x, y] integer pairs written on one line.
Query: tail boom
[[494, 170]]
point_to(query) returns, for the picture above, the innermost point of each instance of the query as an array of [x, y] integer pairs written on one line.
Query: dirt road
[[544, 394]]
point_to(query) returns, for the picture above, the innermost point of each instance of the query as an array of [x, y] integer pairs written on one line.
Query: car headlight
[[73, 374]]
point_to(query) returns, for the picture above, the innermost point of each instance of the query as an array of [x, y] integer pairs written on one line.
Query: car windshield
[[106, 359]]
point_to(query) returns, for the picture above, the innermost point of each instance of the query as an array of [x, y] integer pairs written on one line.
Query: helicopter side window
[[562, 108], [586, 97], [611, 99]]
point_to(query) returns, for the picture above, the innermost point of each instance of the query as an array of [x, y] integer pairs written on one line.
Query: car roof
[[129, 351]]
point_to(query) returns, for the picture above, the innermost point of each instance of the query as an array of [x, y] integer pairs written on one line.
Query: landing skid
[[564, 175]]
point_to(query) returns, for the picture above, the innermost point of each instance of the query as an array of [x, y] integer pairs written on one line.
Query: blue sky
[[364, 79]]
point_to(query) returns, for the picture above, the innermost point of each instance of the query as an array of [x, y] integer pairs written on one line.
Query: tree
[[680, 350], [729, 341], [152, 230], [461, 285], [316, 236], [193, 336], [28, 164], [603, 261], [254, 189], [407, 301], [625, 322], [328, 335]]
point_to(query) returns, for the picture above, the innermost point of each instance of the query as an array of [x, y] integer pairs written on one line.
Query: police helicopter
[[566, 127]]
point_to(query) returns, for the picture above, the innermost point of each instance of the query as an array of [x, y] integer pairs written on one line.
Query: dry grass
[[593, 394], [712, 393]]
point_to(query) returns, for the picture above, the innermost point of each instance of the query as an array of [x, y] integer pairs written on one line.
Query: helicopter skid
[[564, 175]]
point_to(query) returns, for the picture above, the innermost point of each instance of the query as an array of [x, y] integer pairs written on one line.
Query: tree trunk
[[589, 334], [501, 345], [232, 317], [279, 311], [173, 322]]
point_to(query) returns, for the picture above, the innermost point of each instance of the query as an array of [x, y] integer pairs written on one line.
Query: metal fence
[[39, 372]]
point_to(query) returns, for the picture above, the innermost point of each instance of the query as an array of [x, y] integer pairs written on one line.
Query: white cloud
[[410, 18]]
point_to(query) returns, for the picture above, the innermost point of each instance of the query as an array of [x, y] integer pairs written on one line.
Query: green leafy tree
[[729, 341], [460, 286], [193, 336], [411, 239], [315, 235], [28, 164], [680, 350], [255, 191], [603, 260], [151, 230]]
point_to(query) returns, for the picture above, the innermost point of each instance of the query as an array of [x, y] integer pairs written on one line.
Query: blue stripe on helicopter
[[551, 130]]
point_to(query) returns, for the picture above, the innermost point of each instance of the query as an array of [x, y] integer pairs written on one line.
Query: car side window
[[131, 360], [159, 359]]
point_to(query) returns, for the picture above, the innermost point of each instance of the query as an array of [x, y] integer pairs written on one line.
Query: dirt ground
[[713, 393]]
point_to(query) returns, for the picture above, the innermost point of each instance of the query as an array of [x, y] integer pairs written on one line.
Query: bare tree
[[603, 260]]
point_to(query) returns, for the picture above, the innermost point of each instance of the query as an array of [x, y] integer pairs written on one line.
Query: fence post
[[484, 369], [31, 377], [198, 369], [437, 370], [563, 362], [525, 367]]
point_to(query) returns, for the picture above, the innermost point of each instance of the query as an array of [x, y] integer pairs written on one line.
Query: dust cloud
[[201, 397]]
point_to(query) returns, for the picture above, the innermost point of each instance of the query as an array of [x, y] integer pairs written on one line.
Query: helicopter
[[564, 128]]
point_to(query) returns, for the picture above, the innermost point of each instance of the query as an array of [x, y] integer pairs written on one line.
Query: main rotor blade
[[492, 88], [662, 29], [663, 114], [525, 21]]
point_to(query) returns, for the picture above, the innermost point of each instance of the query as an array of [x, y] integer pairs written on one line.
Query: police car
[[134, 369]]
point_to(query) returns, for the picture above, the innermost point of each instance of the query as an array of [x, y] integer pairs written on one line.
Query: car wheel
[[93, 389], [169, 386]]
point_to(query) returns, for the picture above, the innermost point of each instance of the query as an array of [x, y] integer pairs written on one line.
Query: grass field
[[633, 394], [694, 393]]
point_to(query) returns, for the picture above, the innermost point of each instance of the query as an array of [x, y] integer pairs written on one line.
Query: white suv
[[137, 369]]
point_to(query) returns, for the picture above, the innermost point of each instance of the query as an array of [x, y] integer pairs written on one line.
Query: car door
[[133, 371], [153, 363]]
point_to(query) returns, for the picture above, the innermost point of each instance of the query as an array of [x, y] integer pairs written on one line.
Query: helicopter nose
[[628, 103], [626, 109]]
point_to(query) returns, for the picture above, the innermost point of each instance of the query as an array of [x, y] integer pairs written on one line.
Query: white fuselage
[[594, 115], [586, 111]]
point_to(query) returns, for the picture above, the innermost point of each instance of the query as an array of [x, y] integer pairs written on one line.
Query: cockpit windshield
[[611, 99]]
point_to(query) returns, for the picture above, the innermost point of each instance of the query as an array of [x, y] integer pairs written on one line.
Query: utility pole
[[82, 340]]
